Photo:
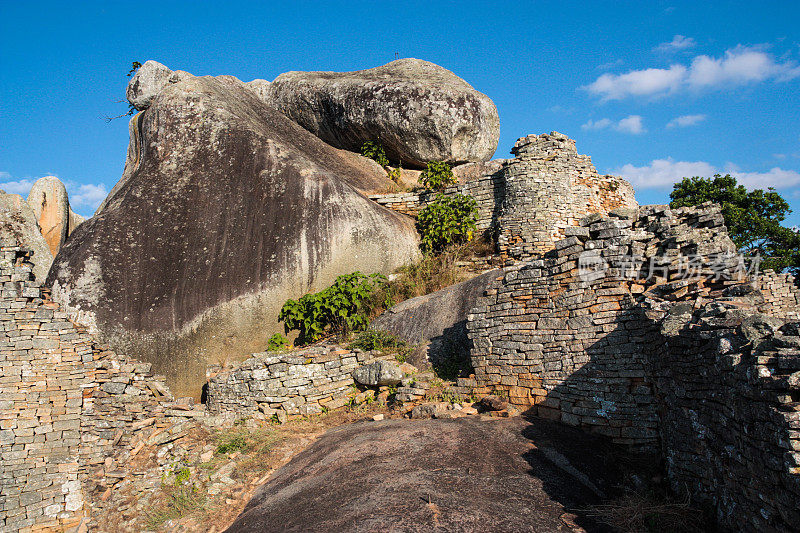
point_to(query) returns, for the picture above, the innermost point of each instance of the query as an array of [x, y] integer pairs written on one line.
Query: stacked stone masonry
[[71, 411], [549, 187], [781, 294], [727, 383], [584, 335], [302, 382], [529, 201]]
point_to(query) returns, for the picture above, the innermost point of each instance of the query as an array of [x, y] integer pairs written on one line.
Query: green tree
[[753, 218]]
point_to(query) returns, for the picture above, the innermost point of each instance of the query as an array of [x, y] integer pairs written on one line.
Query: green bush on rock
[[374, 150], [341, 308], [447, 220], [437, 176]]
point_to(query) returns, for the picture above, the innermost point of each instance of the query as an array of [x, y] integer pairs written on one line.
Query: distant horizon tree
[[753, 218]]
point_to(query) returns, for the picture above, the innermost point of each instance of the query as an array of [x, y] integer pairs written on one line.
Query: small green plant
[[437, 176], [341, 308], [374, 150], [450, 397], [395, 174], [230, 442], [447, 220], [277, 342]]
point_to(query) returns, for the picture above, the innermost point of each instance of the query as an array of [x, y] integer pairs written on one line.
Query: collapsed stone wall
[[730, 420], [587, 335], [301, 382], [565, 333], [72, 413], [528, 202], [781, 294]]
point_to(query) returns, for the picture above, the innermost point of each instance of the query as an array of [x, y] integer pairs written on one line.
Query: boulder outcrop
[[50, 203], [148, 81], [436, 324], [19, 227], [419, 111], [225, 209]]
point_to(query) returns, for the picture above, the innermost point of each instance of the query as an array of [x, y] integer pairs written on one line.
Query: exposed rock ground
[[252, 210], [469, 474], [419, 111]]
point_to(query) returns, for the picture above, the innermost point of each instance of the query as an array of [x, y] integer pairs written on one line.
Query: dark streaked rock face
[[418, 110], [466, 474], [226, 208]]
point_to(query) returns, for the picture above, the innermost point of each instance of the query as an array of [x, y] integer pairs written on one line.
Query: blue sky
[[651, 90]]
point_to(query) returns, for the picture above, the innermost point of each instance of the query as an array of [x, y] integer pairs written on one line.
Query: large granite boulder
[[459, 475], [419, 111], [19, 227], [148, 81], [50, 203], [225, 210], [436, 324]]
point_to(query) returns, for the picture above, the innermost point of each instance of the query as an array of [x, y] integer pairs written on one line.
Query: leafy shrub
[[371, 339], [341, 308], [395, 174], [374, 150], [277, 343], [447, 220], [437, 176]]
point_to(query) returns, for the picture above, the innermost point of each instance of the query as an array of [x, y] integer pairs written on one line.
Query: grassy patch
[[383, 341], [179, 502]]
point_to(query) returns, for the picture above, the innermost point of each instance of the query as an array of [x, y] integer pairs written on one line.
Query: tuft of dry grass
[[432, 273], [639, 512]]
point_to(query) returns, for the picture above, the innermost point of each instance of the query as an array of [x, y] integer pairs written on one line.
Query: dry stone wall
[[565, 333], [488, 192], [528, 201], [730, 425], [550, 187], [72, 413], [301, 382], [644, 327], [781, 294]]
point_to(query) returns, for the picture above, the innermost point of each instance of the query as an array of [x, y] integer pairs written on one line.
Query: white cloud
[[662, 173], [601, 124], [630, 124], [776, 177], [85, 197], [648, 82], [686, 120], [679, 42], [738, 66], [610, 65], [12, 186]]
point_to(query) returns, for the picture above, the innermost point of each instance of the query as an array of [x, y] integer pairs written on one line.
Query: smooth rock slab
[[467, 474]]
